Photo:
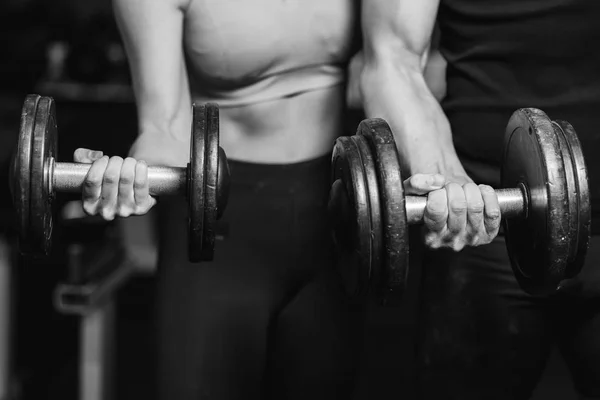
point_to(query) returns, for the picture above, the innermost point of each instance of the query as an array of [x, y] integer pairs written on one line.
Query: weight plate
[[223, 181], [350, 217], [211, 178], [44, 150], [196, 186], [538, 245], [369, 170], [571, 195], [21, 170], [392, 203], [579, 196]]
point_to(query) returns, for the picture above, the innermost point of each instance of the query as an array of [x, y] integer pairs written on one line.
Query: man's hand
[[114, 186], [459, 213]]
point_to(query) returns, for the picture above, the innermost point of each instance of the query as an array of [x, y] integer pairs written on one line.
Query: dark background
[[90, 84]]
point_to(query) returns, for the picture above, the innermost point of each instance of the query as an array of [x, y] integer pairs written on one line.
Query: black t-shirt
[[506, 54]]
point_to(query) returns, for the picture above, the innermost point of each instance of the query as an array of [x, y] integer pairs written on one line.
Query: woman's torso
[[506, 54], [277, 70]]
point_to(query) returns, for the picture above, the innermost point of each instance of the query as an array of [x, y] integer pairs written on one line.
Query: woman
[[266, 318]]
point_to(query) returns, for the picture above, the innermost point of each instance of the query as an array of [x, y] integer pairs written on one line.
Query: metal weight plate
[[538, 245], [43, 153], [370, 172], [196, 186], [20, 171], [211, 178], [578, 196], [571, 198], [391, 199], [223, 183], [350, 217]]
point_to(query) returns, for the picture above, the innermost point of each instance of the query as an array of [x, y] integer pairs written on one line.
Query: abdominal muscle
[[279, 78], [284, 130]]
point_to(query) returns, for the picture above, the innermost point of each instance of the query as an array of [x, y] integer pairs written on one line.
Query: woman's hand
[[114, 187]]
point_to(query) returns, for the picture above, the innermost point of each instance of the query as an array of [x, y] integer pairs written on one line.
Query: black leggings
[[267, 318], [482, 337]]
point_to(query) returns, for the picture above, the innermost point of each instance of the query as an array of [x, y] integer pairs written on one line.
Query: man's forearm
[[399, 94]]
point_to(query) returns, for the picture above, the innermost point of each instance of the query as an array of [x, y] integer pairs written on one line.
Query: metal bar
[[513, 204], [69, 177]]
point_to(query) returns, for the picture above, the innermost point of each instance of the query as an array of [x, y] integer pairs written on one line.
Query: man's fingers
[[491, 210], [457, 209], [86, 156], [475, 206], [436, 211], [457, 215], [420, 184]]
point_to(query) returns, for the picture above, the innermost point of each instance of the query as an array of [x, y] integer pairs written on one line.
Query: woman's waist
[[268, 85], [283, 130]]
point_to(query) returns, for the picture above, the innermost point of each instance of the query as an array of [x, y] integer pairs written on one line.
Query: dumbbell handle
[[69, 177], [513, 203]]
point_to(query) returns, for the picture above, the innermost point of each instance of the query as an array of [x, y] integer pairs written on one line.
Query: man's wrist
[[443, 162]]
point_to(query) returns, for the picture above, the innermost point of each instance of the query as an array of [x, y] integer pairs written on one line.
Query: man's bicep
[[398, 26], [152, 33]]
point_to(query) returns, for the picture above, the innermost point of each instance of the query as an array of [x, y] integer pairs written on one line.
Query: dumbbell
[[36, 176], [544, 204]]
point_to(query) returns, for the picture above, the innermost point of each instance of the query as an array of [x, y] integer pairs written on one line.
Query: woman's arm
[[152, 33]]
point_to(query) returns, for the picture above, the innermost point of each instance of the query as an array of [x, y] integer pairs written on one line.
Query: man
[[481, 336]]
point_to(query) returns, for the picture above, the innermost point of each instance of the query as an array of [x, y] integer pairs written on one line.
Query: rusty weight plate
[[43, 154], [370, 175], [350, 217], [196, 184], [211, 179], [20, 170], [578, 196], [538, 245], [394, 273]]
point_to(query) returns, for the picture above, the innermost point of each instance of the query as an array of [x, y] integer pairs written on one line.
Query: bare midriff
[[279, 81]]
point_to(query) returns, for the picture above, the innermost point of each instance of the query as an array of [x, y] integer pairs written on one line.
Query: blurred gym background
[[71, 50]]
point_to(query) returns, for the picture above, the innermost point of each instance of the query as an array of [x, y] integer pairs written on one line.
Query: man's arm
[[397, 35], [152, 32], [396, 42]]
